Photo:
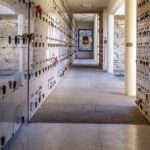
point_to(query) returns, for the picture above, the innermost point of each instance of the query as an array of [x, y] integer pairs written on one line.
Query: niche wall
[[41, 47], [9, 57], [100, 44], [143, 57], [119, 45]]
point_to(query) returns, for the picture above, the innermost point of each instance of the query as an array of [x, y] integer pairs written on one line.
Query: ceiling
[[92, 6], [84, 17]]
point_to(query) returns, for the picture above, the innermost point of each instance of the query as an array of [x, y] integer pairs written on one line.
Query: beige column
[[130, 49]]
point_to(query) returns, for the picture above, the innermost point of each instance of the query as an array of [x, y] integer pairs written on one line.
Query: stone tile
[[58, 137], [83, 137], [125, 137]]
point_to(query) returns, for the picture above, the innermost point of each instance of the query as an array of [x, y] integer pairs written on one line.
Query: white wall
[[113, 6]]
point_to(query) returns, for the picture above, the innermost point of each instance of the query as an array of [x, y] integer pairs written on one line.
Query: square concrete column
[[110, 44]]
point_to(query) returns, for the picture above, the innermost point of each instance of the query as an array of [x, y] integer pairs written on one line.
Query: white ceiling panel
[[84, 17], [91, 6]]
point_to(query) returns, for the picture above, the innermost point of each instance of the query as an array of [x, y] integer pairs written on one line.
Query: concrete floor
[[106, 90], [84, 62], [89, 96], [83, 137]]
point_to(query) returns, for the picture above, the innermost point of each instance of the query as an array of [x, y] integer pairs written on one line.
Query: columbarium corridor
[[74, 75]]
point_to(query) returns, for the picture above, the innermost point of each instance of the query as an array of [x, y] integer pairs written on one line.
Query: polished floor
[[83, 137], [84, 62], [88, 95], [92, 90]]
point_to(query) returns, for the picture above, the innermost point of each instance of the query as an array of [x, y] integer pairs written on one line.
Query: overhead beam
[[114, 5]]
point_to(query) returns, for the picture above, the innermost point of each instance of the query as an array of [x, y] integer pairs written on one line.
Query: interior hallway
[[87, 95]]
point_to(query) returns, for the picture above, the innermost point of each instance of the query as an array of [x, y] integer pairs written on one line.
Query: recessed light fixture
[[87, 5], [84, 17]]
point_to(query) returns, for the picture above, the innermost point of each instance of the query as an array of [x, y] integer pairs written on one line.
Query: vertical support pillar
[[105, 28], [110, 44], [95, 39], [130, 49], [21, 30]]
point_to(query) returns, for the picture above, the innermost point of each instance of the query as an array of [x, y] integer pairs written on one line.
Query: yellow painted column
[[130, 47]]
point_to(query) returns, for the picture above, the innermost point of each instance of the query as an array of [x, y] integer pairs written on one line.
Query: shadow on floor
[[88, 95], [116, 93], [90, 114]]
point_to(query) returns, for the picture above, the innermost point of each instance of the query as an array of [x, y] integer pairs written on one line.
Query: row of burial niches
[[143, 56], [13, 95], [47, 61], [119, 46]]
